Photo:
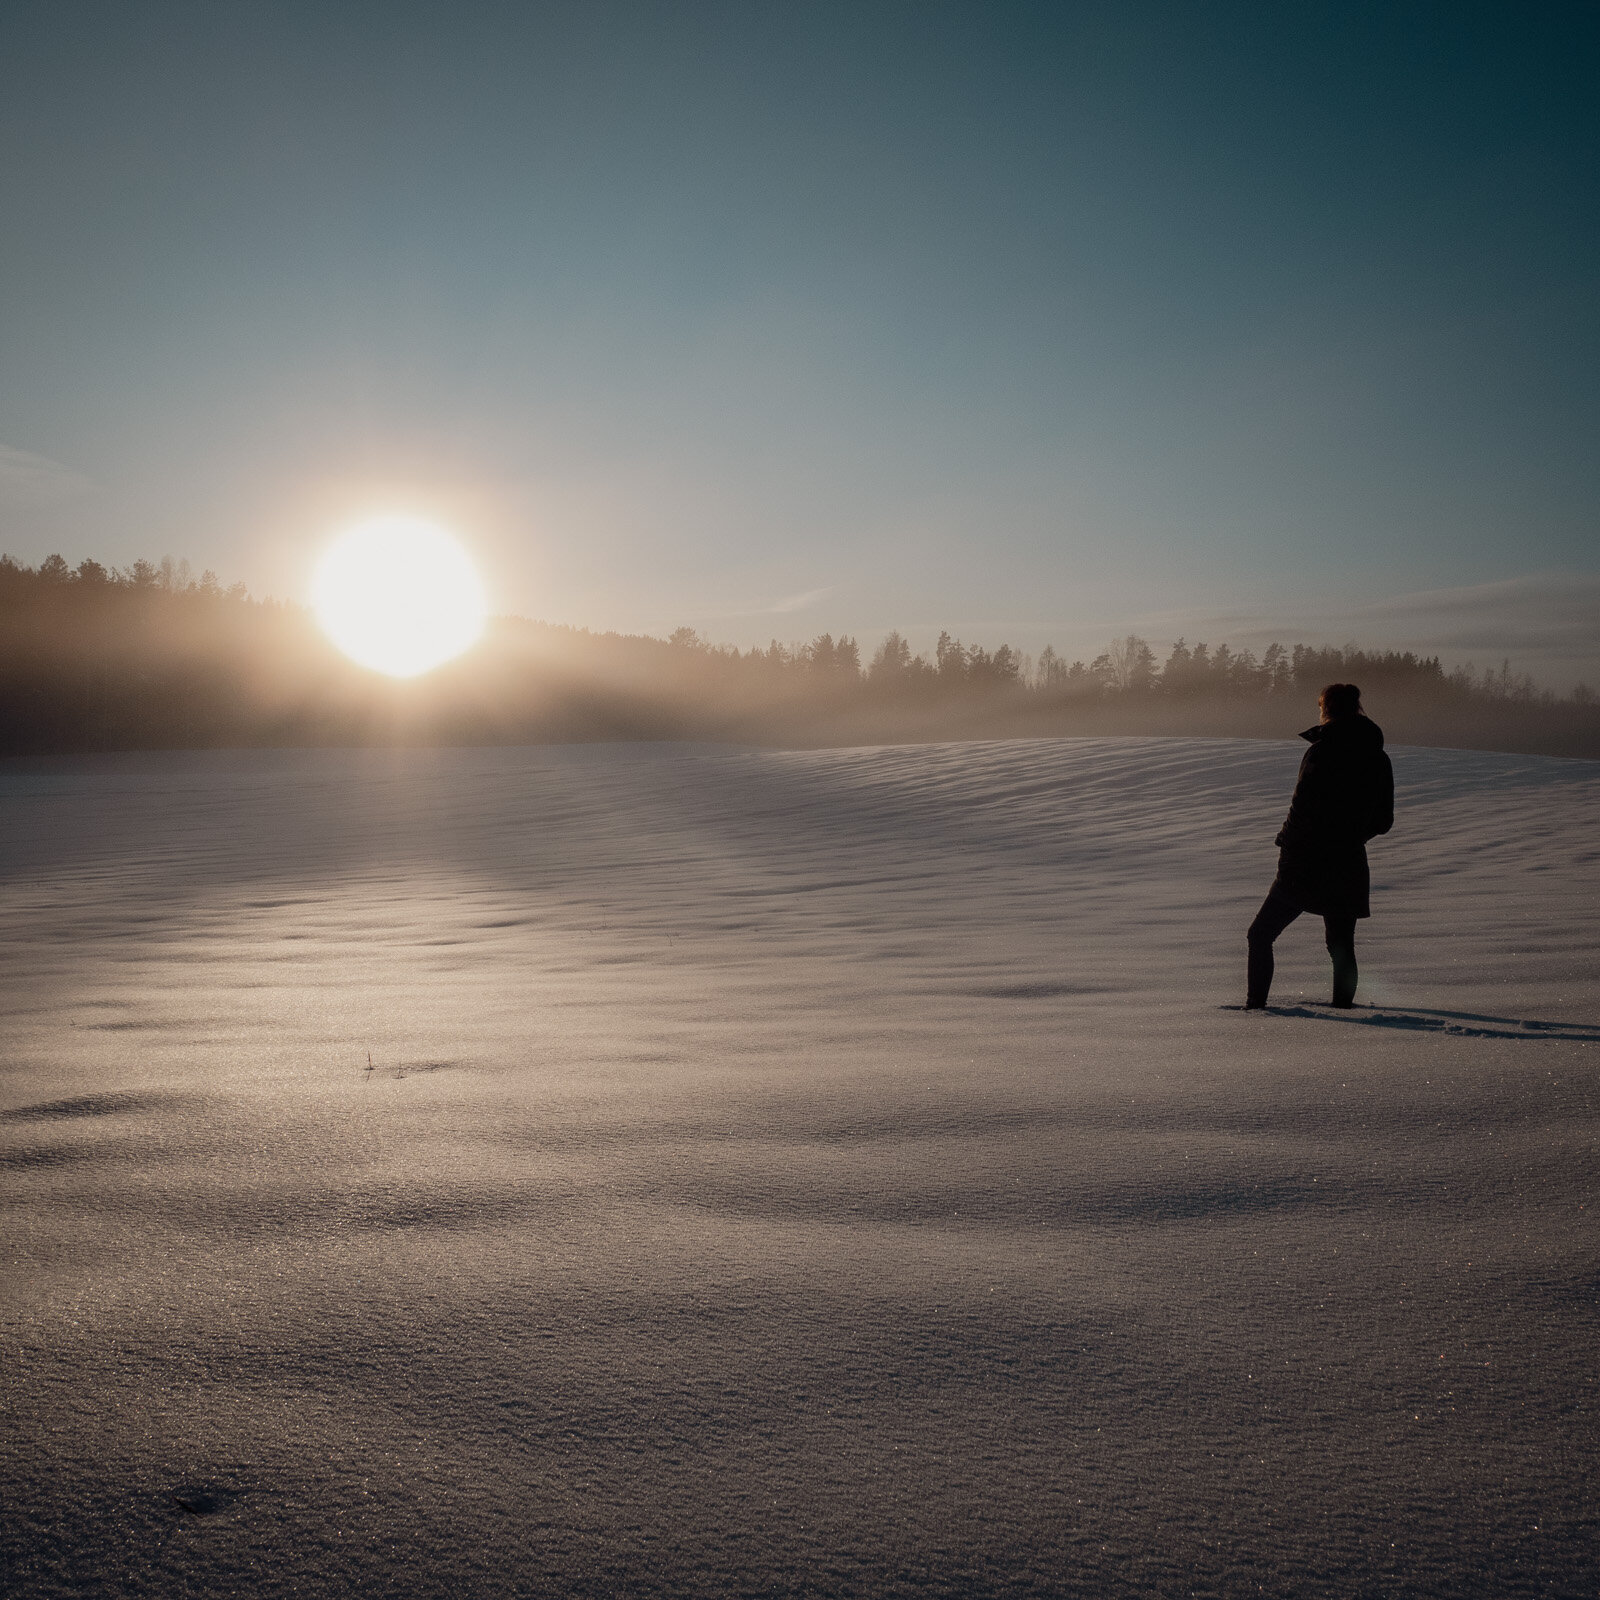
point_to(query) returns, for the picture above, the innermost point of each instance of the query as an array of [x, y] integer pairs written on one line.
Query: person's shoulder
[[1358, 732]]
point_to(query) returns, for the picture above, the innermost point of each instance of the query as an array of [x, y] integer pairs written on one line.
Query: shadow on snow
[[1463, 1024]]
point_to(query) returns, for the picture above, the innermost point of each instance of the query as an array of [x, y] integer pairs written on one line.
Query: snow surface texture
[[829, 1172]]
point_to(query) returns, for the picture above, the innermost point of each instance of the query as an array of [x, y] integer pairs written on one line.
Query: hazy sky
[[1029, 321]]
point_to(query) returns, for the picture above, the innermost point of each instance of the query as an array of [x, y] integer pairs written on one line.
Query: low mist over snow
[[703, 1171]]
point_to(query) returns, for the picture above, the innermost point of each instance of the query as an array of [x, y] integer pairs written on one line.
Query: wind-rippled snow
[[827, 1172]]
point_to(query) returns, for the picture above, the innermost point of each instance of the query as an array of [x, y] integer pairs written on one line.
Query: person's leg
[[1275, 915], [1341, 932]]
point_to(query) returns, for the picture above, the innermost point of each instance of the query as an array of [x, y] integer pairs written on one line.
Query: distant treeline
[[94, 658], [1129, 666]]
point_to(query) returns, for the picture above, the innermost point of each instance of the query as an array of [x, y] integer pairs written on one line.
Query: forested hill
[[97, 659]]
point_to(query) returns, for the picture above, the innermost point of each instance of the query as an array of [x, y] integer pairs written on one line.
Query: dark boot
[[1342, 947], [1258, 979]]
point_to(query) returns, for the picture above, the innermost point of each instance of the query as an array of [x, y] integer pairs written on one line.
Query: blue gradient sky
[[1033, 322]]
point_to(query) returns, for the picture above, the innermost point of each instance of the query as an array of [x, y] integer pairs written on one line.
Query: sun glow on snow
[[399, 595]]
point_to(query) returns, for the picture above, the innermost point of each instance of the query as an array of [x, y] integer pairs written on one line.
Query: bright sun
[[398, 595]]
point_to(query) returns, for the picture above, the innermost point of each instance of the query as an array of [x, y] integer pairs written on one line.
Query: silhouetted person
[[1343, 797]]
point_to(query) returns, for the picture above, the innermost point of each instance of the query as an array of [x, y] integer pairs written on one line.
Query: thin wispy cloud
[[1557, 613], [37, 480], [796, 602], [787, 605]]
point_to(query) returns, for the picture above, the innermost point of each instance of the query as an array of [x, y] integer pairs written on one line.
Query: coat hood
[[1349, 733]]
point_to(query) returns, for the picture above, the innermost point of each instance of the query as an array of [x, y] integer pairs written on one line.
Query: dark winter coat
[[1344, 796]]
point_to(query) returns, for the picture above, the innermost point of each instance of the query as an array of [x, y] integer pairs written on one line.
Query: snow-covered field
[[690, 1171]]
